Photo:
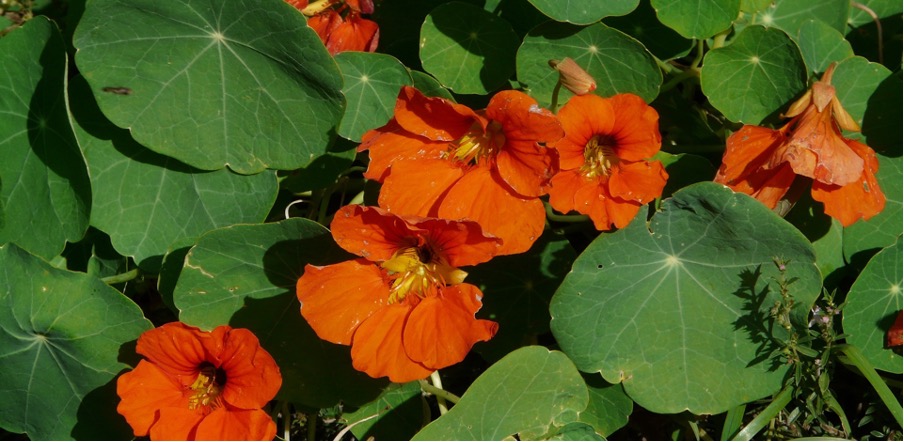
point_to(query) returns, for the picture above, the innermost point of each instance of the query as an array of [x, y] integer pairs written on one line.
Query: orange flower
[[339, 24], [197, 385], [604, 159], [441, 159], [402, 307], [764, 163]]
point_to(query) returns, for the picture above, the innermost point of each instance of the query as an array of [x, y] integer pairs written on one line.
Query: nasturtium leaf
[[754, 6], [882, 9], [616, 61], [863, 238], [525, 392], [882, 119], [523, 15], [609, 406], [872, 305], [661, 40], [372, 83], [824, 233], [46, 195], [697, 18], [517, 299], [95, 255], [679, 312], [147, 202], [428, 85], [245, 276], [821, 45], [581, 12], [61, 337], [399, 412], [789, 15], [576, 431], [200, 82], [468, 49], [684, 170], [856, 80], [759, 73]]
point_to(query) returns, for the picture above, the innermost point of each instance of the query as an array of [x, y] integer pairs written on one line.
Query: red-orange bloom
[[440, 159], [339, 24], [402, 307], [197, 385], [764, 163], [604, 159]]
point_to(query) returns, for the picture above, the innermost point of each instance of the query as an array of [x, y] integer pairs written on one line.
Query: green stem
[[733, 420], [852, 355], [554, 101], [564, 218], [666, 67], [766, 416], [122, 277], [684, 75], [695, 65], [439, 392], [719, 39]]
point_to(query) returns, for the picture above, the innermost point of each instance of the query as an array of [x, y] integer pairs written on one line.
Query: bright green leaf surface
[[863, 238], [677, 315], [243, 83], [46, 195], [820, 45], [616, 61], [467, 49], [519, 300], [576, 431], [61, 335], [582, 12], [372, 83], [872, 305], [759, 73], [697, 18], [642, 24], [789, 15], [399, 414], [526, 391], [856, 80], [428, 85], [609, 406], [752, 6], [146, 201], [245, 276], [882, 9]]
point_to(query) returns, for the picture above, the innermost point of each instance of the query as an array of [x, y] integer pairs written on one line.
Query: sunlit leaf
[[582, 12], [61, 340], [679, 312], [789, 15], [609, 406], [243, 83], [697, 18], [820, 45], [372, 83], [856, 80], [46, 195], [872, 305], [525, 392]]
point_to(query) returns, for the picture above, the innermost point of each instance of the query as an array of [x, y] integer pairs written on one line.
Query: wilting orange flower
[[440, 159], [604, 159], [764, 163], [339, 24], [402, 307], [197, 385]]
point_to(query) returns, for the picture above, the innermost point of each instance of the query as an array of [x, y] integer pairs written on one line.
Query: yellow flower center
[[599, 156], [477, 144], [419, 271], [207, 387]]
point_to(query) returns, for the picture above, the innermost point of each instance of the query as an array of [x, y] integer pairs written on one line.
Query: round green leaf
[[467, 49], [642, 24], [821, 45], [46, 194], [146, 202], [755, 76], [428, 85], [862, 239], [609, 406], [678, 313], [399, 414], [856, 81], [754, 6], [202, 82], [576, 431], [245, 276], [616, 61], [61, 335], [872, 305], [790, 15], [824, 233], [697, 18], [582, 12], [882, 9], [372, 83], [525, 392]]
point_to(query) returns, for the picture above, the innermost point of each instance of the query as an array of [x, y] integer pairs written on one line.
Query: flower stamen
[[477, 143], [599, 156], [207, 387], [419, 271]]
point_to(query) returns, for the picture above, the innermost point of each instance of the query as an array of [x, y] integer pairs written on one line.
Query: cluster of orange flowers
[[339, 23]]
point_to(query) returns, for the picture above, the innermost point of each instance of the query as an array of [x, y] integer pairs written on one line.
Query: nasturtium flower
[[339, 24], [402, 306], [604, 159], [441, 159], [196, 385], [764, 163]]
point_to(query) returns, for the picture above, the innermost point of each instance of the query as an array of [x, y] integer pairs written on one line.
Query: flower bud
[[573, 77]]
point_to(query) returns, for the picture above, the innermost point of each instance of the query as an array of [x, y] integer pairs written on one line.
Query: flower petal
[[590, 196], [371, 232], [441, 329], [353, 34], [391, 143], [640, 181], [337, 298], [481, 197], [462, 243], [174, 348], [748, 150], [177, 423], [564, 187], [377, 346], [143, 392], [526, 167], [768, 186], [415, 187], [252, 376], [582, 117], [861, 199], [224, 424], [433, 118], [636, 128]]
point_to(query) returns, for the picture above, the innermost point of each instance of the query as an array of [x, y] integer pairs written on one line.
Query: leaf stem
[[766, 416], [564, 218], [122, 277], [852, 355], [554, 100], [439, 392]]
